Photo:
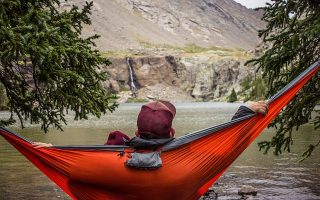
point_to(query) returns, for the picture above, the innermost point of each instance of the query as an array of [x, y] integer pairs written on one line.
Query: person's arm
[[115, 138], [38, 145], [252, 107]]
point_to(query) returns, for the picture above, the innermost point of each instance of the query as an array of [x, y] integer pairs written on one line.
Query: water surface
[[275, 177]]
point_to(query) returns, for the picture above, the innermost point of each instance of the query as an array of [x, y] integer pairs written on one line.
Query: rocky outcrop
[[247, 190], [147, 71], [177, 78], [213, 80]]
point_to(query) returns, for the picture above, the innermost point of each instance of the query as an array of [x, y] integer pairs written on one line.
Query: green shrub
[[259, 89], [246, 83], [3, 99], [253, 88], [233, 96], [136, 100]]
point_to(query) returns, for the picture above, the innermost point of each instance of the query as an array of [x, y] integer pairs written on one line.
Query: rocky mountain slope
[[176, 50], [125, 24]]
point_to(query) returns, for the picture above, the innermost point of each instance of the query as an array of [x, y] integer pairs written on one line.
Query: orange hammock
[[191, 163]]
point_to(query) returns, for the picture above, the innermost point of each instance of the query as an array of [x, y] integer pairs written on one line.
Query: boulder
[[247, 190]]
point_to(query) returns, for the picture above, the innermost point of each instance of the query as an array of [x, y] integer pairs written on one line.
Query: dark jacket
[[242, 111]]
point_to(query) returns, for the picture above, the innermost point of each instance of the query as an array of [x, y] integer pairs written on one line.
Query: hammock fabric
[[191, 163]]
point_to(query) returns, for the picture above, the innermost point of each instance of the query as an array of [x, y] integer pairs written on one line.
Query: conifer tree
[[46, 67], [293, 35], [233, 96]]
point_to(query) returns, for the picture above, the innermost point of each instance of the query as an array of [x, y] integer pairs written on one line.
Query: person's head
[[155, 120], [117, 138]]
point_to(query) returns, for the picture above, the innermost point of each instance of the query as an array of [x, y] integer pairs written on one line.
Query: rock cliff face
[[204, 22], [177, 78], [216, 79], [125, 24]]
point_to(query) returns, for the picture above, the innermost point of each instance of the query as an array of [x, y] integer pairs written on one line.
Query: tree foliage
[[293, 33], [3, 98], [46, 67], [253, 88], [233, 96]]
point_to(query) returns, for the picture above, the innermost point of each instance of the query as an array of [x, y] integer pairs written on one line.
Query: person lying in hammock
[[155, 122]]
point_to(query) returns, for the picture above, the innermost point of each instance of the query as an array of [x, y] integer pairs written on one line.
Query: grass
[[189, 50], [120, 54], [193, 48], [136, 100], [148, 48]]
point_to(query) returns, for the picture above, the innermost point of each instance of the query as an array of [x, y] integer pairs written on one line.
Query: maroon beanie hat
[[116, 138], [155, 120]]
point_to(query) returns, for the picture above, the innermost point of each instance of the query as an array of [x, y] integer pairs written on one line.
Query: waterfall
[[132, 85]]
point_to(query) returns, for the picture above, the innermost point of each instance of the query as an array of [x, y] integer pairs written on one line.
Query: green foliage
[[46, 68], [136, 100], [292, 32], [259, 88], [190, 48], [253, 88], [193, 48], [233, 96], [246, 83], [3, 98]]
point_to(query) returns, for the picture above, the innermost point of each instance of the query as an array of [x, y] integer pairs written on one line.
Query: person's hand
[[38, 145], [260, 107]]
